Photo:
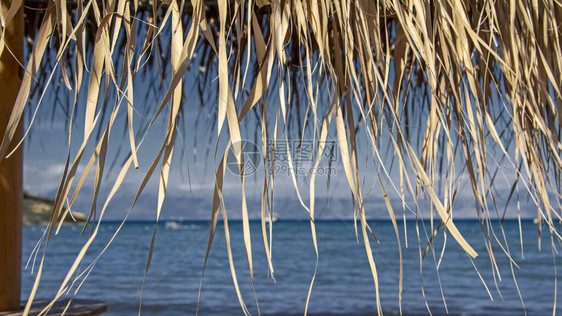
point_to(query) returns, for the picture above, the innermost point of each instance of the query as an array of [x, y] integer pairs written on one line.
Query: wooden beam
[[78, 307], [11, 177]]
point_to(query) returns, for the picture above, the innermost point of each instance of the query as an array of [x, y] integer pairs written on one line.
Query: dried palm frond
[[450, 88]]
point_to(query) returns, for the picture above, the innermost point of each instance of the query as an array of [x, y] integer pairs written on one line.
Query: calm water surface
[[343, 286]]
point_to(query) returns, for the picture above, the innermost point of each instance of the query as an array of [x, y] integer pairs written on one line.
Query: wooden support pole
[[11, 175]]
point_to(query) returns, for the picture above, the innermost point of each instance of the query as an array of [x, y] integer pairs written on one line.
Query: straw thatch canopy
[[447, 87]]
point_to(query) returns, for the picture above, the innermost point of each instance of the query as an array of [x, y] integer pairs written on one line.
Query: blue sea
[[343, 284]]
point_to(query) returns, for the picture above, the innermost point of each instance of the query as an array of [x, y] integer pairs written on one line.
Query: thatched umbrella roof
[[479, 80]]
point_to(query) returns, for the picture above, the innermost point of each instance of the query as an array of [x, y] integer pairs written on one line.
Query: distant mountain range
[[37, 211]]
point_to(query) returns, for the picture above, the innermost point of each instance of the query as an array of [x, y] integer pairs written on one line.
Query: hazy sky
[[191, 197]]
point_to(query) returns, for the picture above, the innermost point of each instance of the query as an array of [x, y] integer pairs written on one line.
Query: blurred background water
[[343, 285]]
